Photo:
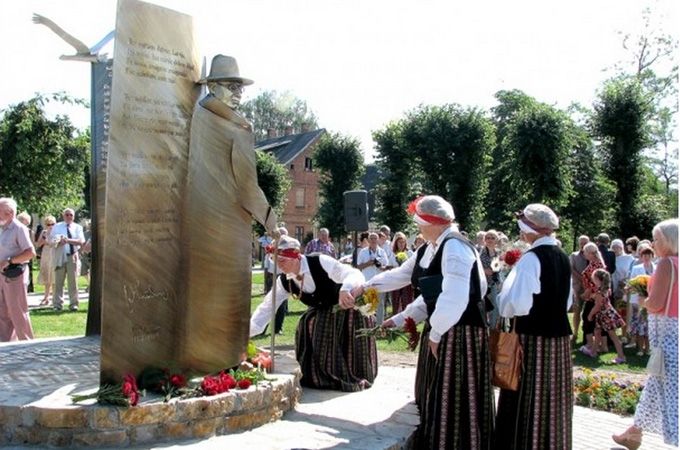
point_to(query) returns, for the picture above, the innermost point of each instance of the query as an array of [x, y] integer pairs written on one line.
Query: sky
[[358, 64]]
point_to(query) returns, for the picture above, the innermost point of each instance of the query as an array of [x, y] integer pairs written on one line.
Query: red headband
[[435, 220], [290, 253]]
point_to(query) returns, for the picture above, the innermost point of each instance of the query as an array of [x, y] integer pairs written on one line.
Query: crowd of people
[[59, 246], [456, 286]]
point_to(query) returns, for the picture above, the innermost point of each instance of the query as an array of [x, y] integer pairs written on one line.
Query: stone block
[[147, 414], [145, 434], [10, 416], [205, 428], [100, 439], [105, 417], [175, 430], [60, 438], [62, 417], [28, 435], [28, 415], [251, 399], [206, 407], [247, 421]]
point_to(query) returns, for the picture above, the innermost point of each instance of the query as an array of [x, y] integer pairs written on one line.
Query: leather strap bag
[[506, 358]]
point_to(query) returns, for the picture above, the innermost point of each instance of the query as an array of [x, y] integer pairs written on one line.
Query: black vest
[[474, 313], [548, 314], [326, 293]]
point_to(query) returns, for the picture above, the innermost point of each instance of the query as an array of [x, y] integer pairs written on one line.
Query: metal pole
[[272, 323]]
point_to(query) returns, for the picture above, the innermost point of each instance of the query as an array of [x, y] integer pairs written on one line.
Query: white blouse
[[343, 274], [457, 262], [523, 281]]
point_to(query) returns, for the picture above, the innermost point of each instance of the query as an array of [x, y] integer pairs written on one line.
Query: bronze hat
[[224, 68]]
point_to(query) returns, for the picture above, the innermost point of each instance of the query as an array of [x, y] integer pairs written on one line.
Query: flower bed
[[607, 392]]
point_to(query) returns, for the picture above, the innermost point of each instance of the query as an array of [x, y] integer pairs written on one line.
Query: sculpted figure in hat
[[222, 198]]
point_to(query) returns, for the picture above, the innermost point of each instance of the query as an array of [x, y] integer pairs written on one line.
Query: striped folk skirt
[[539, 414], [329, 353], [454, 393]]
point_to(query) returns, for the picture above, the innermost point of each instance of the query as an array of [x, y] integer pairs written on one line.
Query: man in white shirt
[[68, 236], [373, 260]]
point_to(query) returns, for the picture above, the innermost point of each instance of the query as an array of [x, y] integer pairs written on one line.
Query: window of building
[[292, 167], [300, 198], [308, 164], [299, 233]]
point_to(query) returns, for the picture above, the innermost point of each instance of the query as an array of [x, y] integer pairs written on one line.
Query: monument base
[[37, 379]]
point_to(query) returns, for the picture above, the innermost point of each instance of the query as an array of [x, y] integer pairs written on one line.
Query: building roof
[[287, 148]]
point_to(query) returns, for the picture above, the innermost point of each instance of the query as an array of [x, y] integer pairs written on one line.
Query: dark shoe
[[57, 308], [73, 307]]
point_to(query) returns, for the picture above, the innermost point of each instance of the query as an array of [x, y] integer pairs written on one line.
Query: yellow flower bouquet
[[638, 285], [366, 304]]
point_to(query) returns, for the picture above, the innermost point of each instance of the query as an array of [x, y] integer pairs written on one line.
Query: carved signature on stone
[[135, 295], [141, 333]]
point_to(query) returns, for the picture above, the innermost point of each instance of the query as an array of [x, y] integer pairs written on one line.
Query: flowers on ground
[[409, 333], [163, 381], [639, 285], [122, 394], [366, 304], [606, 392]]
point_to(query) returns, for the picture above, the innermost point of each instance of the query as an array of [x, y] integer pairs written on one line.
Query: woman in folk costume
[[537, 292], [453, 379], [329, 353]]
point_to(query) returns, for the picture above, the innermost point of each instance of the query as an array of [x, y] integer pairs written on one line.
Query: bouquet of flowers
[[401, 257], [638, 285], [366, 304], [123, 394], [409, 333]]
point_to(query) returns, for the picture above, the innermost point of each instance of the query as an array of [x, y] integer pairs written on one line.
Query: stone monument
[[153, 95], [222, 197]]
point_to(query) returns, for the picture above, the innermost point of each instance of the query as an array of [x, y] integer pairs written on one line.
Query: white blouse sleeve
[[517, 295], [343, 274], [263, 313], [393, 279]]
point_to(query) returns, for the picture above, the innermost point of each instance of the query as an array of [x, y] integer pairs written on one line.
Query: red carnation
[[244, 383], [512, 256], [412, 207], [413, 334], [227, 381], [210, 385], [178, 380]]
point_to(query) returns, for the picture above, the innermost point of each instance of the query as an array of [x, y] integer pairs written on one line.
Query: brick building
[[295, 151]]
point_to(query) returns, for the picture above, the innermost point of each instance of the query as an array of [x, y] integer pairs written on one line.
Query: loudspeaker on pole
[[356, 210]]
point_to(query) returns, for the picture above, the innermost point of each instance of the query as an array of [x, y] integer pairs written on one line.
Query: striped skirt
[[329, 353], [454, 393], [539, 414]]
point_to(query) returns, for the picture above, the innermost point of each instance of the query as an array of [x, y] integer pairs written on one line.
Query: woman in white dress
[[46, 276]]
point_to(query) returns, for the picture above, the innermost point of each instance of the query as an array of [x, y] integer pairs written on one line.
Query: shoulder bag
[[506, 357], [655, 365]]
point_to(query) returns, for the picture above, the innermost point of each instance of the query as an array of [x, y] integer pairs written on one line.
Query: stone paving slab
[[383, 417]]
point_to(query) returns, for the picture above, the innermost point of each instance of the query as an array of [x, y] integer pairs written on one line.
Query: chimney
[[288, 130], [271, 133], [305, 127]]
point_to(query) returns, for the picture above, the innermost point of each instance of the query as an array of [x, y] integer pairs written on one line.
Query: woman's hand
[[389, 323], [488, 272], [433, 348], [345, 300], [357, 291]]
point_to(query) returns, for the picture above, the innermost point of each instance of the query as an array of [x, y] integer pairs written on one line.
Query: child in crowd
[[603, 313]]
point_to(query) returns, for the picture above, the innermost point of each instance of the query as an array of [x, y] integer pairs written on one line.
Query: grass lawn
[[49, 323]]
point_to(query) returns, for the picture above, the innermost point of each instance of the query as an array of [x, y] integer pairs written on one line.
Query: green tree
[[499, 214], [452, 147], [274, 181], [620, 122], [591, 206], [398, 183], [273, 110], [42, 160], [538, 141], [341, 165]]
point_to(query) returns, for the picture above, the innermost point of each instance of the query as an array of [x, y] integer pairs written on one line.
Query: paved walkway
[[383, 417]]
